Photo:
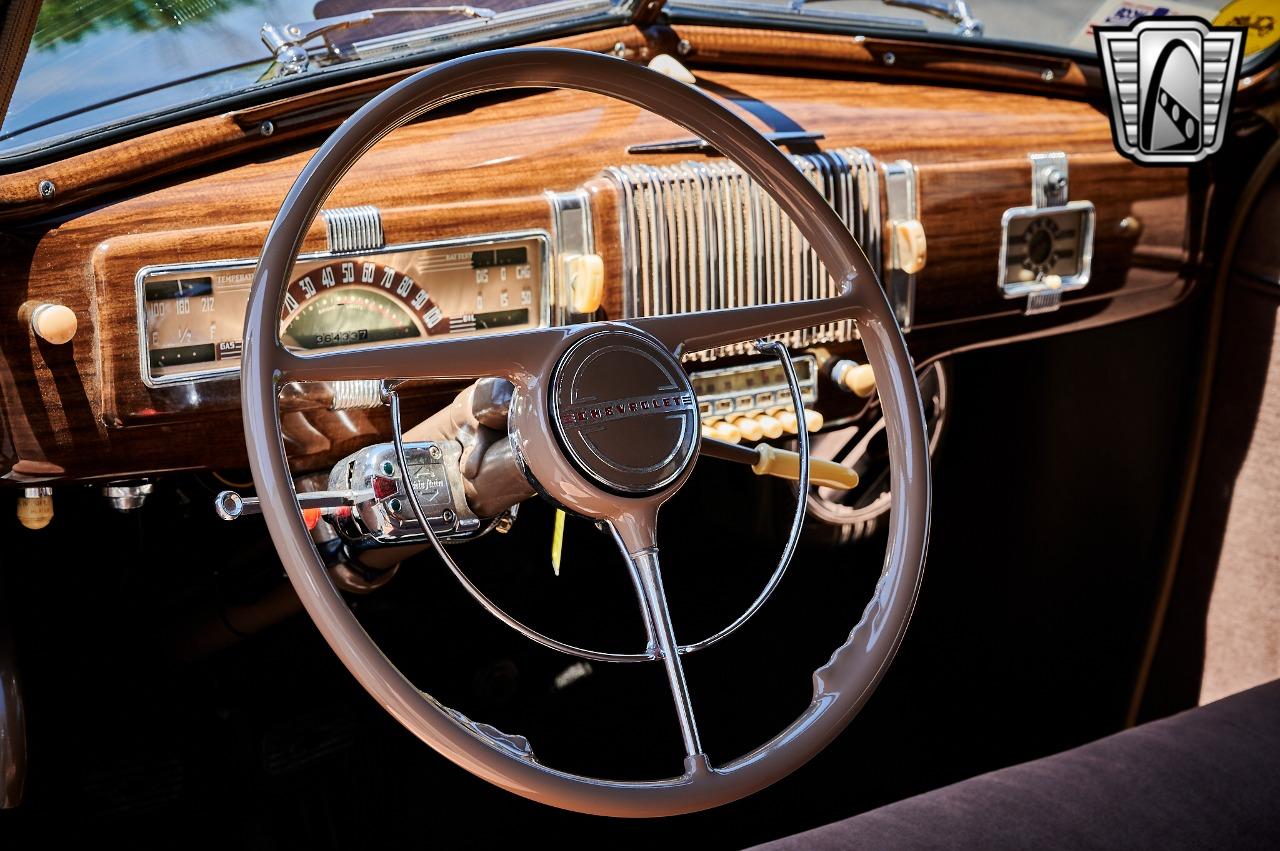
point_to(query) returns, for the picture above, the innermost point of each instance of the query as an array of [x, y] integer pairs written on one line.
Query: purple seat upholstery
[[1205, 778]]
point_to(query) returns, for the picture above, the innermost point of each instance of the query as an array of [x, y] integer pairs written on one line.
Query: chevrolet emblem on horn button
[[625, 411]]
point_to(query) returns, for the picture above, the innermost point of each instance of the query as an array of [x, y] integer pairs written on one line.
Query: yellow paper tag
[[1260, 17]]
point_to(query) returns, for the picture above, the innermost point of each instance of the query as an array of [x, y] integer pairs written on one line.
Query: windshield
[[93, 63]]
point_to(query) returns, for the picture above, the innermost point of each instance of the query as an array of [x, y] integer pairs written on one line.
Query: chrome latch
[[285, 41], [1049, 179]]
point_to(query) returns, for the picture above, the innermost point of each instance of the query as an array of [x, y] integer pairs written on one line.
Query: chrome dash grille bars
[[702, 236]]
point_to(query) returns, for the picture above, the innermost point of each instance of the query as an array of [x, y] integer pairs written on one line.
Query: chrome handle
[[230, 505]]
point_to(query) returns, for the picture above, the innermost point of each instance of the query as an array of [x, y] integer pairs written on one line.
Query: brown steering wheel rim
[[843, 684]]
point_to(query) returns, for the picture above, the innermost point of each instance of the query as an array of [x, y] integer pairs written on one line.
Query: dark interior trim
[[1204, 394]]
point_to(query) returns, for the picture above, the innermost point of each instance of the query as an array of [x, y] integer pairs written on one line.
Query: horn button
[[624, 412]]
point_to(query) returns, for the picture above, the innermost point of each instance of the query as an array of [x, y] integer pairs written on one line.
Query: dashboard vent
[[702, 236]]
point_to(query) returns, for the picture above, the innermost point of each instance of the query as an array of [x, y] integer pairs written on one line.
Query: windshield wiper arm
[[956, 11], [286, 41]]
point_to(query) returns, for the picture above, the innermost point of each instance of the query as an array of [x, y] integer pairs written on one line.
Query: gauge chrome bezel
[[225, 372], [1011, 289]]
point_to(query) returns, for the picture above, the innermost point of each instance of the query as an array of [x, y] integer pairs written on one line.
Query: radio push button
[[771, 427], [750, 427], [791, 425], [726, 431]]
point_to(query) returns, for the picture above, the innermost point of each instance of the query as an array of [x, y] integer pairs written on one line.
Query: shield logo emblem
[[1170, 80]]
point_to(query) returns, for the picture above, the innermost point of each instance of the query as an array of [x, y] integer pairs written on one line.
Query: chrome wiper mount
[[956, 11], [286, 41]]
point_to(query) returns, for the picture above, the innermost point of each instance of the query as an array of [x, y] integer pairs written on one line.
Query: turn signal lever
[[230, 505]]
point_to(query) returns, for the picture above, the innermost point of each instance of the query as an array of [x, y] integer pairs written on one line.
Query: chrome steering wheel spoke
[[647, 575]]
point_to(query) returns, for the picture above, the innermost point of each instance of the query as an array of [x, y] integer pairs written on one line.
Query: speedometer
[[339, 311], [191, 316]]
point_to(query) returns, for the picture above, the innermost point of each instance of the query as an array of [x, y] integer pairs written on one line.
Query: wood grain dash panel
[[82, 411]]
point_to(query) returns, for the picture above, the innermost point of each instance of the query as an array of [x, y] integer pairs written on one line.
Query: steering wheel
[[623, 469]]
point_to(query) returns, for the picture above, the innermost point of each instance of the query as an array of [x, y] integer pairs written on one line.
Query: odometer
[[192, 317]]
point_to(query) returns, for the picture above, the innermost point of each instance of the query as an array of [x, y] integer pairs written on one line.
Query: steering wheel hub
[[624, 412]]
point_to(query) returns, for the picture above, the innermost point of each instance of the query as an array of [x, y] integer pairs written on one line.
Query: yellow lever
[[557, 541], [786, 465]]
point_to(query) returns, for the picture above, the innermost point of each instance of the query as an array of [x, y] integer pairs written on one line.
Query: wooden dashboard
[[81, 410]]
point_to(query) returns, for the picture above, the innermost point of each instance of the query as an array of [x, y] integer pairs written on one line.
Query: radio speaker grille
[[702, 236]]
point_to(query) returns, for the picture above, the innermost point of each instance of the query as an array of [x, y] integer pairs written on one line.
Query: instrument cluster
[[191, 317]]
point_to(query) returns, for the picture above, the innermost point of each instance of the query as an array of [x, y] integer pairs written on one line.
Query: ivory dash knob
[[54, 323], [35, 507], [857, 378]]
